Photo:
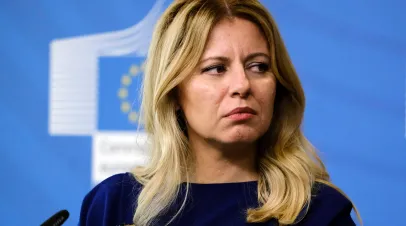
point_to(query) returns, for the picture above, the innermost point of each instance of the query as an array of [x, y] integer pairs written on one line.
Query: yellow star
[[125, 107], [123, 93], [126, 80], [134, 70], [133, 116]]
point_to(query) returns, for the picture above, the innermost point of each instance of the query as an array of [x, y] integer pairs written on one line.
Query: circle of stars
[[126, 81]]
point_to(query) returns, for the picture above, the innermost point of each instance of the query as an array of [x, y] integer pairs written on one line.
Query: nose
[[239, 83]]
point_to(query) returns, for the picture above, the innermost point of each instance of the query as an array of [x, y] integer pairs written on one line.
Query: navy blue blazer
[[112, 202]]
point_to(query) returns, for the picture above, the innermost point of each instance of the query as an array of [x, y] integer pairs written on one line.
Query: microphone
[[57, 219]]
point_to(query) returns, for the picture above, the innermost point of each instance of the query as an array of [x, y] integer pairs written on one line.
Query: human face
[[234, 72]]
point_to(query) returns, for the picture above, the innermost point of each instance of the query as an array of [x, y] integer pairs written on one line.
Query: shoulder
[[111, 201], [328, 206]]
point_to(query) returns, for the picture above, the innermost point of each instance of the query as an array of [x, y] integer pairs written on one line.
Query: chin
[[242, 137], [245, 140]]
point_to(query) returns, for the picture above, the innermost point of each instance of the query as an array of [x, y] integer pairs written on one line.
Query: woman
[[223, 107]]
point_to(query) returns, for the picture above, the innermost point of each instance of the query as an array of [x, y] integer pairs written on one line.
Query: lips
[[241, 110]]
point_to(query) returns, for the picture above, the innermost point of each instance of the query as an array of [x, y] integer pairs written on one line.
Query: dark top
[[112, 202]]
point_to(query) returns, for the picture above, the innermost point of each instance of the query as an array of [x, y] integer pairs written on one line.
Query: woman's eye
[[259, 67], [215, 69]]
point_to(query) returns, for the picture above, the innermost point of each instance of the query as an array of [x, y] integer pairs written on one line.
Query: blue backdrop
[[69, 74]]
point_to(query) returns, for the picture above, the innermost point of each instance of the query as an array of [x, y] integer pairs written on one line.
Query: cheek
[[200, 100], [220, 93], [266, 99]]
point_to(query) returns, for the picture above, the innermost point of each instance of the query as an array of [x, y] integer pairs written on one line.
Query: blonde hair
[[288, 164]]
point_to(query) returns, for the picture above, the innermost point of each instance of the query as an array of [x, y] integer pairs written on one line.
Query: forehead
[[236, 33]]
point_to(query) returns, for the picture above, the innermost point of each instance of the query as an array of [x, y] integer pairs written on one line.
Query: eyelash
[[261, 65], [222, 66], [213, 67]]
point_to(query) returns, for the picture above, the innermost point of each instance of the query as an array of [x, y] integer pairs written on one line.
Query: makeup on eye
[[257, 67], [261, 67], [257, 62], [219, 67]]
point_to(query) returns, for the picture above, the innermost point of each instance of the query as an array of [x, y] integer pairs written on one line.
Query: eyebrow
[[226, 59]]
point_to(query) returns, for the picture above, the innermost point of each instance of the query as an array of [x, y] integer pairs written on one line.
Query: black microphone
[[57, 219]]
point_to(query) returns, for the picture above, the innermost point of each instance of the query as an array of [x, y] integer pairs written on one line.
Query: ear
[[176, 96], [177, 107]]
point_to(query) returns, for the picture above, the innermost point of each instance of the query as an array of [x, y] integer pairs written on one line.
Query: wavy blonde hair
[[288, 164]]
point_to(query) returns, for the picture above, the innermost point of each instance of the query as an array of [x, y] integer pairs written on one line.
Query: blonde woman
[[223, 107]]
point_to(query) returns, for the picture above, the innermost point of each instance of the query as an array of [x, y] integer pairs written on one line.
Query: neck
[[216, 163]]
